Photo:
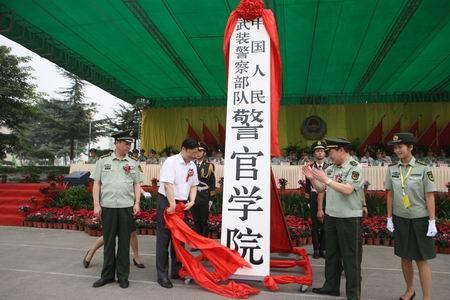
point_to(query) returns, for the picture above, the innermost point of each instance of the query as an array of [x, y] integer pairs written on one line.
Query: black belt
[[176, 201]]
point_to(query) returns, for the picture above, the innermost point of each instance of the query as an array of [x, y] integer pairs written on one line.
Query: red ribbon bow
[[127, 169]]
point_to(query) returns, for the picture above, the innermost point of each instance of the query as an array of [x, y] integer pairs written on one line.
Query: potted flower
[[282, 182], [366, 184]]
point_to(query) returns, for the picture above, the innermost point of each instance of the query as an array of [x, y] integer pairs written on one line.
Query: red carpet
[[13, 196]]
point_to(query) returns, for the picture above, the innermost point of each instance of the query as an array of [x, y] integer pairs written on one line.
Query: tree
[[16, 95], [75, 115]]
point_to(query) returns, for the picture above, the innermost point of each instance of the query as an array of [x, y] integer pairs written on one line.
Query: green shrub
[[76, 197]]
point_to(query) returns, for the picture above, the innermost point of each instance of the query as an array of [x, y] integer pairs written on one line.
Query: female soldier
[[411, 212]]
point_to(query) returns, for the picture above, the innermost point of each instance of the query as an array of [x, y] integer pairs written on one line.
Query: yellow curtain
[[163, 127]]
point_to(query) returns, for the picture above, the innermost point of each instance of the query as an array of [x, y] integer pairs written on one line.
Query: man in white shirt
[[178, 183]]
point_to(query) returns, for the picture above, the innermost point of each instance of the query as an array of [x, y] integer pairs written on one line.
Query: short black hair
[[190, 143]]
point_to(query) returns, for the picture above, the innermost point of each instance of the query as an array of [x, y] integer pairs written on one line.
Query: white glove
[[390, 225], [432, 230], [147, 195]]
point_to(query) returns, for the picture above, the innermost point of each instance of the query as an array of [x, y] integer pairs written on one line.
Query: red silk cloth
[[275, 70], [223, 260], [270, 282]]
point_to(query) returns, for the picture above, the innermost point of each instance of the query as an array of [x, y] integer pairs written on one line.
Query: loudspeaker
[[77, 178]]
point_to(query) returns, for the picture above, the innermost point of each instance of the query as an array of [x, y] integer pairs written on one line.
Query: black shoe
[[86, 262], [412, 297], [316, 254], [139, 265], [323, 254], [124, 283], [321, 291], [165, 283], [102, 282]]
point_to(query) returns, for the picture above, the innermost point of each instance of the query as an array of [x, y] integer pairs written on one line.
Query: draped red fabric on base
[[275, 70], [280, 240], [223, 260], [270, 282]]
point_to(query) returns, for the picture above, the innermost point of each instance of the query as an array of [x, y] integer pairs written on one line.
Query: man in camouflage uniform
[[205, 190]]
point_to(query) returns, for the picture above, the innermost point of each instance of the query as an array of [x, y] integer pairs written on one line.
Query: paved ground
[[46, 264]]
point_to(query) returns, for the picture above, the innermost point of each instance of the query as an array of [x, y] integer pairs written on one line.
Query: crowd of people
[[379, 157], [334, 186]]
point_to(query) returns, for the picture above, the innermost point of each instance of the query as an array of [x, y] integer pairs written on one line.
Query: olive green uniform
[[343, 230], [411, 223], [206, 186], [117, 178]]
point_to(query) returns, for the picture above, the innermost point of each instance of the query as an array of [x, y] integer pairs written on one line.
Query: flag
[[414, 129], [429, 137], [374, 139], [221, 134], [393, 131], [209, 138], [192, 134], [444, 136]]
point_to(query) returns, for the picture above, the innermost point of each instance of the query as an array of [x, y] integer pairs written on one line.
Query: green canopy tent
[[170, 51]]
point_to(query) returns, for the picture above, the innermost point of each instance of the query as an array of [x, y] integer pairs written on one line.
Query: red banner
[[209, 138], [414, 129], [374, 139], [192, 134], [429, 137], [221, 130], [396, 128], [444, 136]]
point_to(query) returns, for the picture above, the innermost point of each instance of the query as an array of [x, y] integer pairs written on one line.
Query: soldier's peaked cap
[[126, 135], [403, 138], [334, 143]]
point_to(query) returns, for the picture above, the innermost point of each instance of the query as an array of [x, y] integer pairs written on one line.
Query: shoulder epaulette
[[353, 163], [392, 164], [421, 163], [106, 155], [132, 157]]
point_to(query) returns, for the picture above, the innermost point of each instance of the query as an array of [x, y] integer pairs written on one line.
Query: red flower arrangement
[[282, 182], [127, 169], [189, 174]]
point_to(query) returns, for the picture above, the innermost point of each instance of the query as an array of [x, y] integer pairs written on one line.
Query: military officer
[[411, 212], [92, 156], [344, 185], [116, 193], [205, 190], [317, 205]]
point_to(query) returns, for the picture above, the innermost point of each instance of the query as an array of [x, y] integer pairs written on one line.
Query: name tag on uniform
[[107, 167], [395, 175], [406, 202]]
